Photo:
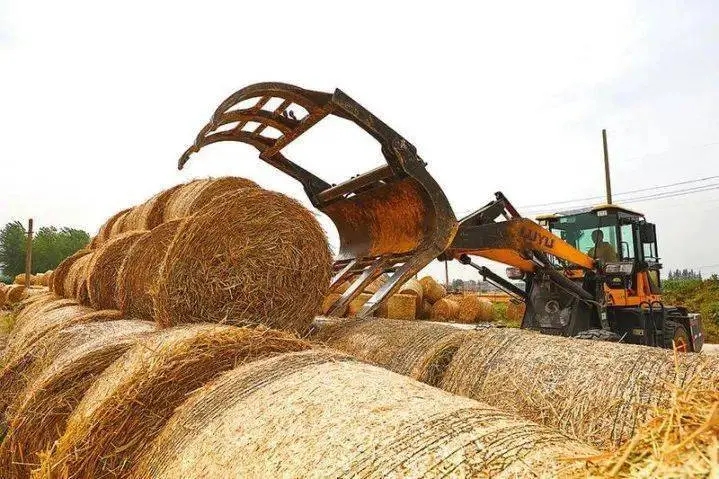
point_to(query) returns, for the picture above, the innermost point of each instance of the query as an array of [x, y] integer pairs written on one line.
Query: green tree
[[49, 247], [12, 249]]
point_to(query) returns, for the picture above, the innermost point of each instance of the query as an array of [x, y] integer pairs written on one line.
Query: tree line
[[50, 245], [684, 274]]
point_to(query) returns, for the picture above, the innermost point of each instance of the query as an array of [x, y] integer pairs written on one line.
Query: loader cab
[[622, 242]]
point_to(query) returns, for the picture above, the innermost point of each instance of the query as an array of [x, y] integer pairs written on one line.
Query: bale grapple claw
[[393, 219]]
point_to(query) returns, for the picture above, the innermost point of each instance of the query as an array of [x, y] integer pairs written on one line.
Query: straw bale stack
[[473, 309], [597, 392], [444, 309], [414, 288], [141, 390], [347, 419], [38, 417], [432, 291], [62, 270], [76, 273], [190, 198], [249, 257], [149, 214], [118, 227], [19, 371], [105, 230], [104, 267], [421, 351], [138, 274]]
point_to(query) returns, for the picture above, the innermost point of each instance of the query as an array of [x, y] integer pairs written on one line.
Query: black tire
[[598, 335], [676, 334]]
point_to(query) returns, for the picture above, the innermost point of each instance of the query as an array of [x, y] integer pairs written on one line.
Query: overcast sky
[[98, 99]]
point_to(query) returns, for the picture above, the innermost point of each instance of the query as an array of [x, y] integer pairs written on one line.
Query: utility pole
[[606, 168], [28, 254], [446, 274]]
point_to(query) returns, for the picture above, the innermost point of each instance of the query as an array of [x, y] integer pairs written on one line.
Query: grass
[[697, 296]]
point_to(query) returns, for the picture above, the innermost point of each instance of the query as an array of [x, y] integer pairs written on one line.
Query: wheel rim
[[680, 344]]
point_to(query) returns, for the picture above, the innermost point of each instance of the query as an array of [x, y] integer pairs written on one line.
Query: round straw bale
[[32, 328], [432, 291], [376, 284], [58, 277], [444, 309], [105, 230], [414, 287], [138, 274], [385, 343], [149, 214], [189, 198], [18, 371], [142, 389], [76, 273], [473, 309], [19, 278], [346, 419], [15, 293], [104, 266], [3, 295], [118, 227], [250, 256], [29, 308], [39, 415], [596, 391]]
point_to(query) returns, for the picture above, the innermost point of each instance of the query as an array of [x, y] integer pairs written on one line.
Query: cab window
[[626, 251]]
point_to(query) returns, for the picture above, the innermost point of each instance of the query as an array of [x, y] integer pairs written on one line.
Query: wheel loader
[[592, 273]]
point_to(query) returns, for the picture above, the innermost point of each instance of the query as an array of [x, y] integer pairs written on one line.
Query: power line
[[641, 190]]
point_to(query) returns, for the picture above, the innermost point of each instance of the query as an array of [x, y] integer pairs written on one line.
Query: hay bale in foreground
[[39, 416], [421, 351], [105, 230], [250, 256], [347, 419], [444, 309], [104, 266], [138, 274], [141, 390], [598, 392], [190, 198], [473, 309], [21, 370], [62, 270]]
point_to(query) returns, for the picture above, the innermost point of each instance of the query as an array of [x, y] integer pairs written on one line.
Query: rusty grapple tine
[[393, 219]]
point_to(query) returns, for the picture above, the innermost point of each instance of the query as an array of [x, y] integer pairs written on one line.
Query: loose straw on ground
[[322, 414], [142, 389], [248, 257]]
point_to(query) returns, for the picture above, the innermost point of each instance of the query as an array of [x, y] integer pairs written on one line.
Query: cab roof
[[576, 211]]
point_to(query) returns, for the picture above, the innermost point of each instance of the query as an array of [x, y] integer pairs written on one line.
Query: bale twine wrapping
[[138, 274], [104, 267], [62, 270], [17, 373], [149, 214], [474, 309], [104, 233], [15, 293], [190, 198], [346, 419], [250, 256], [39, 416], [597, 392], [414, 287], [432, 291], [141, 390], [421, 351], [444, 309], [76, 273]]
